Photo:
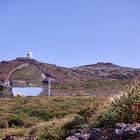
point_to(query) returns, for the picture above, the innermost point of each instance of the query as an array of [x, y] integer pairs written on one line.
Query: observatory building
[[29, 55]]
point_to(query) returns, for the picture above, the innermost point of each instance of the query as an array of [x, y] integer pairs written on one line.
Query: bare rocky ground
[[121, 131]]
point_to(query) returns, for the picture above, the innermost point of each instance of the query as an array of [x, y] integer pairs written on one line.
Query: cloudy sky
[[71, 32]]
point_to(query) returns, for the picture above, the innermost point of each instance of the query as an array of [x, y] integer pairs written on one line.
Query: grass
[[52, 118], [99, 86], [46, 117]]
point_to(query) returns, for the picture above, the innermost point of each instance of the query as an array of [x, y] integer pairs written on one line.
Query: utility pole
[[49, 86], [47, 80]]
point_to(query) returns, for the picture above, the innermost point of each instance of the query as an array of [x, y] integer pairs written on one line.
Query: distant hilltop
[[93, 79]]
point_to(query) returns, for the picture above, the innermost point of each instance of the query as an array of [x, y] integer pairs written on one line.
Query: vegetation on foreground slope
[[47, 117], [123, 109], [52, 118]]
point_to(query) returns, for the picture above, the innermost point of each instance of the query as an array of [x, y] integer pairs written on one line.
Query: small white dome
[[29, 55]]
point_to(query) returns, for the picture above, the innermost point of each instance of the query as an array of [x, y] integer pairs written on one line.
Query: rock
[[72, 138], [127, 128], [30, 138], [94, 134], [78, 134], [121, 131], [7, 137]]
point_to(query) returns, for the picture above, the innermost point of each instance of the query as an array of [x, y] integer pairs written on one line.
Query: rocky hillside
[[109, 71], [60, 74], [96, 79]]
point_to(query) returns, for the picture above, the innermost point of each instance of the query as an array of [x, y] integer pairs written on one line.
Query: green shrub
[[125, 109], [106, 118], [128, 106]]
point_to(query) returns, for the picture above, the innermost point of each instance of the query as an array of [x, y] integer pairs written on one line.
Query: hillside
[[109, 71], [71, 117], [46, 118], [96, 79]]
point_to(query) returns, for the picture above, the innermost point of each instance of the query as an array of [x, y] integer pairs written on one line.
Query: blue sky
[[71, 32]]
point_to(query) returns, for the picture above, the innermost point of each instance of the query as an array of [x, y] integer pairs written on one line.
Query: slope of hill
[[97, 79], [46, 118], [109, 71], [61, 74]]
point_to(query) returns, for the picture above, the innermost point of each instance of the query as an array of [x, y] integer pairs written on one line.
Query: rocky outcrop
[[121, 131]]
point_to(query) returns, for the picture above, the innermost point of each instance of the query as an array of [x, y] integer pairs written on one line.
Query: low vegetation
[[98, 87], [46, 117], [125, 108], [52, 118]]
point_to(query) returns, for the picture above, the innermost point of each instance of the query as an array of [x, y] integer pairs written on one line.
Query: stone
[[121, 131]]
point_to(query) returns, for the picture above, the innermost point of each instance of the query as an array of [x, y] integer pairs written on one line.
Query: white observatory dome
[[29, 55]]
